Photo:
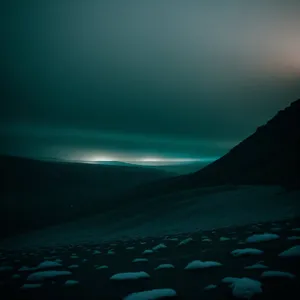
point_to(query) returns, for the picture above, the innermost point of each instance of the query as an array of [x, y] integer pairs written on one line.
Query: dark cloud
[[181, 79]]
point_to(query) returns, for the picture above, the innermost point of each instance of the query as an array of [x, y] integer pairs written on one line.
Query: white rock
[[130, 276], [73, 267], [246, 251], [198, 264], [245, 288], [136, 260], [71, 282], [101, 267], [185, 241], [268, 274], [42, 275], [148, 251], [292, 252], [229, 280], [48, 264], [43, 265], [152, 294], [210, 287], [206, 240], [256, 266], [224, 239], [159, 246], [164, 266], [265, 237]]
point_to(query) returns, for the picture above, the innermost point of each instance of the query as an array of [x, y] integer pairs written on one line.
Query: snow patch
[[164, 266], [130, 276], [292, 252], [206, 240], [265, 237], [48, 264], [152, 294], [73, 267], [269, 274], [245, 288], [198, 264], [229, 280], [246, 251], [148, 251], [101, 267], [42, 275], [185, 241], [256, 266], [136, 260], [43, 265], [71, 282], [210, 287], [159, 246]]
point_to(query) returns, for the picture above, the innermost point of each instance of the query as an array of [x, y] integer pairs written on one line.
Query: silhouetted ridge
[[270, 156]]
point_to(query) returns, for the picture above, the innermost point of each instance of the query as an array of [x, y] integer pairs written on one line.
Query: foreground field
[[85, 271]]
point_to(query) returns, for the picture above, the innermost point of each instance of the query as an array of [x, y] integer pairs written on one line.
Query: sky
[[144, 81]]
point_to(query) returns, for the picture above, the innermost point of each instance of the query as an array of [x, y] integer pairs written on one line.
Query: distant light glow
[[147, 160], [150, 159], [102, 158], [168, 160]]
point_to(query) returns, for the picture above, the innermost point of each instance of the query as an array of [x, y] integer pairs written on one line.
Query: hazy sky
[[180, 79]]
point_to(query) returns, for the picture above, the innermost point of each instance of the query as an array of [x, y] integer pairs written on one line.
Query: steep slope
[[270, 156], [34, 193]]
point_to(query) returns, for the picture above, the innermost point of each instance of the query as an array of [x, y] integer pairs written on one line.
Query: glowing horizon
[[147, 160]]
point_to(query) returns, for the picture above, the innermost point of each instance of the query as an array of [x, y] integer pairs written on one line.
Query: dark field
[[96, 284]]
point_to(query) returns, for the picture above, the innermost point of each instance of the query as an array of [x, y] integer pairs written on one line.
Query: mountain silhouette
[[270, 156]]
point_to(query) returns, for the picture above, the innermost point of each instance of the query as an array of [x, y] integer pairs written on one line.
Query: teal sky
[[133, 80]]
